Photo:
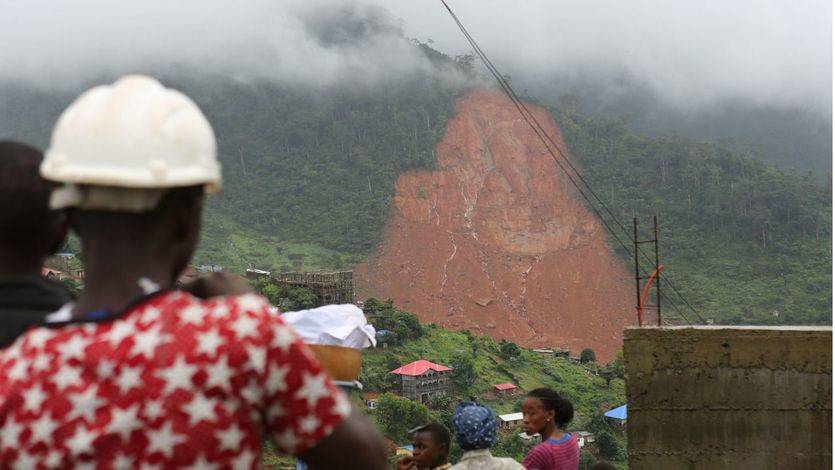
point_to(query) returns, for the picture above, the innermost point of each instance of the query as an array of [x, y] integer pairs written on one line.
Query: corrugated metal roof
[[511, 417], [419, 368], [505, 386], [616, 413]]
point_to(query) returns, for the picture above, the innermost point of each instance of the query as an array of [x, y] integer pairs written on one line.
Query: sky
[[691, 53]]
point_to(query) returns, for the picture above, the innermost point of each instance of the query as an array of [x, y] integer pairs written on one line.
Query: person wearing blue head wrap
[[476, 431]]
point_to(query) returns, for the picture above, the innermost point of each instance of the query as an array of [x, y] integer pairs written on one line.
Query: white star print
[[18, 370], [193, 314], [244, 327], [283, 337], [257, 358], [250, 303], [81, 441], [41, 363], [208, 342], [287, 441], [153, 410], [230, 439], [252, 394], [25, 461], [10, 434], [243, 461], [34, 398], [200, 408], [124, 422], [73, 348], [275, 411], [67, 376], [313, 388], [53, 459], [150, 315], [122, 462], [276, 379], [38, 337], [105, 369], [85, 404], [145, 342], [308, 424], [220, 310], [202, 464], [342, 406], [178, 375], [120, 330], [164, 441], [43, 428], [128, 378], [219, 374]]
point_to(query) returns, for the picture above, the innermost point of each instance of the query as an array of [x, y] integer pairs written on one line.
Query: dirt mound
[[496, 240]]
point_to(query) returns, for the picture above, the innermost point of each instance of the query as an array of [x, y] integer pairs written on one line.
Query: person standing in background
[[548, 413]]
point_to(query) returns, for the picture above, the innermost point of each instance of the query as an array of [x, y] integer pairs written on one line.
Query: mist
[[690, 54]]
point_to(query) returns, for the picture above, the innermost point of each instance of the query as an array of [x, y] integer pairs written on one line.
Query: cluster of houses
[[422, 380]]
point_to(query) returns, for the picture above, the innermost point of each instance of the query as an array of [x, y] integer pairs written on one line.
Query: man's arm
[[355, 443]]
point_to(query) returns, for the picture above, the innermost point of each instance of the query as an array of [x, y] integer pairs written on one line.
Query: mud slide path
[[495, 240]]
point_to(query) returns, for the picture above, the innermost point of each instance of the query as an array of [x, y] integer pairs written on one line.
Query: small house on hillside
[[616, 416], [584, 438], [528, 437], [370, 400], [421, 380], [505, 389], [510, 420], [52, 273]]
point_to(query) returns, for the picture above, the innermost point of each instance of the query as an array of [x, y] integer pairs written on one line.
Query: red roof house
[[419, 368], [421, 380], [505, 387]]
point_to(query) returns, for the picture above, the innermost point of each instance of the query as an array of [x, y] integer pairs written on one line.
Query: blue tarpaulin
[[616, 413]]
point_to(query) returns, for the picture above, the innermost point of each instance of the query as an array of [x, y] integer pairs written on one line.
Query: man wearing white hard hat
[[136, 374]]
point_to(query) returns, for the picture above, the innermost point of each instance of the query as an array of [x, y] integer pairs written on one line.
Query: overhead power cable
[[543, 135]]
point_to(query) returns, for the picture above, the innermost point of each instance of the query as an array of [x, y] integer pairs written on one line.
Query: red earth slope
[[496, 240]]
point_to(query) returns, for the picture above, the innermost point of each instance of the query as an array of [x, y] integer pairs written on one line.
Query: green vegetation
[[315, 168], [744, 242], [479, 363]]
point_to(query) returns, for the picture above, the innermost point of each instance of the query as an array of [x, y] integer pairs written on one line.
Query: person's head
[[431, 445], [134, 159], [475, 426], [29, 230], [543, 409]]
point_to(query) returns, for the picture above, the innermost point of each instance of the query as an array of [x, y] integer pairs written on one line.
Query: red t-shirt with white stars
[[175, 382]]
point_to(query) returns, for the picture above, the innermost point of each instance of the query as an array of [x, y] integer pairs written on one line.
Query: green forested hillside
[[745, 242], [309, 176]]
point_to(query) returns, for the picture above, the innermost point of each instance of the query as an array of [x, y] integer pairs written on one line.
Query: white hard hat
[[121, 147]]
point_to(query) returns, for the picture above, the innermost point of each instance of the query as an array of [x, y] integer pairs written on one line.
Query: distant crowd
[[138, 373]]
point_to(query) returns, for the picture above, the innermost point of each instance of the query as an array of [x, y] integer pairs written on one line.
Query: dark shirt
[[25, 301]]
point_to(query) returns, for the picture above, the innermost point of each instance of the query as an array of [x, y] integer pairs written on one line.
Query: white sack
[[337, 325]]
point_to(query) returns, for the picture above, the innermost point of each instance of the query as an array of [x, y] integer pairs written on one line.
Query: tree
[[397, 415], [587, 355], [463, 373], [610, 447], [617, 366], [509, 350], [587, 460], [511, 445]]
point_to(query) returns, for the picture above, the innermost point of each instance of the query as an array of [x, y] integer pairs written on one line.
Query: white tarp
[[337, 325]]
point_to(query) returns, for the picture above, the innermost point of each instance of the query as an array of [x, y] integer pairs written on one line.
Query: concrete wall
[[729, 397]]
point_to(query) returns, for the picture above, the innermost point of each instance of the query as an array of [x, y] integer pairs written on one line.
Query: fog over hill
[[757, 73]]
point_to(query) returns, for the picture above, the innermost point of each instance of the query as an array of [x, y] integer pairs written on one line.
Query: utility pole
[[654, 276]]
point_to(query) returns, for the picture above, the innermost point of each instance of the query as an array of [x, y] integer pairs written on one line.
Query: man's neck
[[113, 283]]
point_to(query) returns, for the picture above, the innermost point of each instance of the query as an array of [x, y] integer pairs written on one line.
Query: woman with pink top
[[548, 413]]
